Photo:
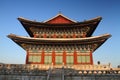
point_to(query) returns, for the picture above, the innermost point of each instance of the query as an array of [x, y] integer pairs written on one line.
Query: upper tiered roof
[[59, 21]]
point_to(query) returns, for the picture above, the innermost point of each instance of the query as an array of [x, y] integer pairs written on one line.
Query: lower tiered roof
[[88, 40]]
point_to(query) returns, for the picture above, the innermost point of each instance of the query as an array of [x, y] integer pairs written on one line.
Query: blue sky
[[78, 10]]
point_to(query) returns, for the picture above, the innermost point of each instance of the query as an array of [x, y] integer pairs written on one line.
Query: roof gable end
[[60, 19]]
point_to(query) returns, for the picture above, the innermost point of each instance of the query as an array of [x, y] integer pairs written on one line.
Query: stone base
[[47, 72]]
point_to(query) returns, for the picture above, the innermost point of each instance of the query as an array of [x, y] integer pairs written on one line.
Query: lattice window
[[48, 59], [69, 59], [58, 59], [87, 59], [30, 59], [33, 58], [83, 59]]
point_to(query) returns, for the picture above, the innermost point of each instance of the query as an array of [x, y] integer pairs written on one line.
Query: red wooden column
[[53, 57], [91, 58], [75, 57], [42, 57], [64, 57], [27, 57]]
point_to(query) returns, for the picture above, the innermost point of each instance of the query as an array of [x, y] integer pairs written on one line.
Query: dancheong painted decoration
[[59, 49], [60, 40]]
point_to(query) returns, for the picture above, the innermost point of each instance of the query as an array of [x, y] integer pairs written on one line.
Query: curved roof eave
[[29, 23], [56, 40], [22, 41], [21, 19]]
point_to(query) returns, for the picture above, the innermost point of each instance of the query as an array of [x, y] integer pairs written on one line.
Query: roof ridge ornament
[[60, 12]]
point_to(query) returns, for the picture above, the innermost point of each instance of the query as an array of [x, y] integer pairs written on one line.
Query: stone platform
[[50, 72]]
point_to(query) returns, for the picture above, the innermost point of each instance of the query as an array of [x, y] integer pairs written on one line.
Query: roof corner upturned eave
[[96, 21], [22, 21]]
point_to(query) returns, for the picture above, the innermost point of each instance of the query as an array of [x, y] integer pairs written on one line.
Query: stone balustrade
[[42, 69], [59, 72], [46, 67]]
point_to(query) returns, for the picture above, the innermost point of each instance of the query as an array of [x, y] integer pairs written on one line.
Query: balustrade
[[81, 69]]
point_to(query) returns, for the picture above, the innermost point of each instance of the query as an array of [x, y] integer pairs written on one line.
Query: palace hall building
[[59, 41], [59, 49]]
